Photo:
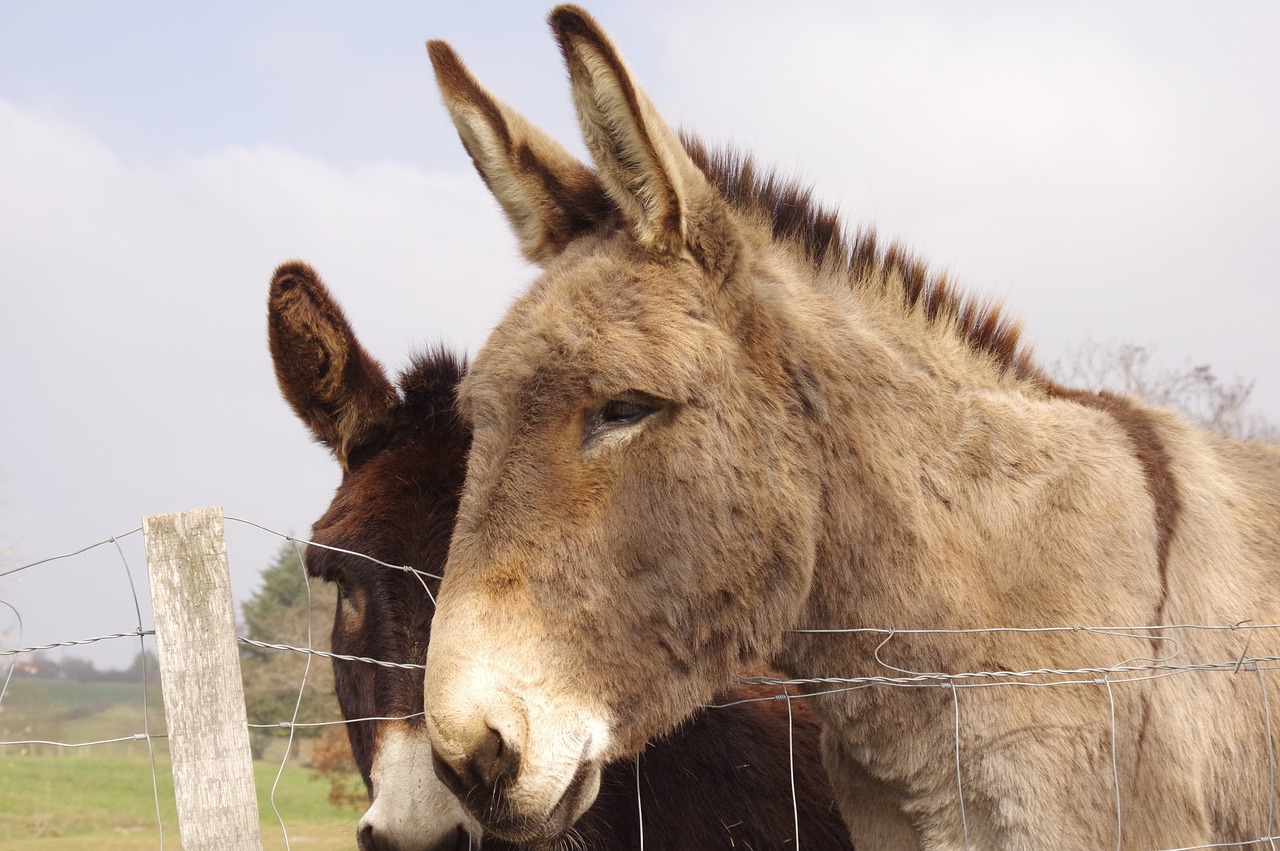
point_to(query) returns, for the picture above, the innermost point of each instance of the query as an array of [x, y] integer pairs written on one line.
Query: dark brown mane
[[798, 219], [427, 384]]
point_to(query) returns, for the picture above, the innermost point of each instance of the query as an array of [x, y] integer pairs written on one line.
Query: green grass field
[[59, 799], [106, 802]]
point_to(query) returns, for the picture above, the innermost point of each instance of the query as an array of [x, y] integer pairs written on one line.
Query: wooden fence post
[[200, 676]]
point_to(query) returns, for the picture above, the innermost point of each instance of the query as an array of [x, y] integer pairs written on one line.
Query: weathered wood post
[[200, 676]]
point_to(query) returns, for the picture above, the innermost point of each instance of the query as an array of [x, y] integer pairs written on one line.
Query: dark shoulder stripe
[[1150, 450]]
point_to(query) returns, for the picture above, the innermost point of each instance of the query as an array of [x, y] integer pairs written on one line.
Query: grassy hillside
[[59, 799], [75, 712]]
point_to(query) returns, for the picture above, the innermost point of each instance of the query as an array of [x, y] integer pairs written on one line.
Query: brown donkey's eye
[[623, 412]]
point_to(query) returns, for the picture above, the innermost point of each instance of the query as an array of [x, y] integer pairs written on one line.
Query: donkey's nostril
[[367, 839], [493, 762], [495, 759]]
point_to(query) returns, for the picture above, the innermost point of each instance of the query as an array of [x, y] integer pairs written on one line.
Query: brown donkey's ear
[[331, 382], [549, 196], [663, 195]]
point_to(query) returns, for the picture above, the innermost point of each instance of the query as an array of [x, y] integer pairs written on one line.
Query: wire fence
[[25, 726], [1108, 678], [148, 729]]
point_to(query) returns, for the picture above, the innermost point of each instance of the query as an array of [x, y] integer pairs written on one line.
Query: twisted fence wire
[[75, 642], [325, 654]]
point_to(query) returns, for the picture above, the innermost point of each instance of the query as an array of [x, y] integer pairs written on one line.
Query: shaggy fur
[[719, 781], [715, 422]]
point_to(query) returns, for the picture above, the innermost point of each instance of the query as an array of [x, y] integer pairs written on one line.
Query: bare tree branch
[[1195, 391]]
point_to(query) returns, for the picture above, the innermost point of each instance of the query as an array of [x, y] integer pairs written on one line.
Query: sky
[[1107, 171]]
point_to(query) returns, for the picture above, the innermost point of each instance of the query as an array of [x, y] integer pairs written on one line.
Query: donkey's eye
[[623, 412], [613, 417]]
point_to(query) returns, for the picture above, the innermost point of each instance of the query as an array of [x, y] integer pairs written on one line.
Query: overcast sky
[[1109, 171]]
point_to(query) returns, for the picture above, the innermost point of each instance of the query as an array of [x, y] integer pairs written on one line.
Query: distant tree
[[279, 613], [146, 660], [78, 670], [1195, 391]]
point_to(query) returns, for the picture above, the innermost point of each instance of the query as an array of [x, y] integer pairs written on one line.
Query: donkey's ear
[[329, 380], [549, 197], [663, 195]]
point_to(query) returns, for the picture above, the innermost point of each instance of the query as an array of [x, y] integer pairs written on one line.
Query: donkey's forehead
[[601, 325]]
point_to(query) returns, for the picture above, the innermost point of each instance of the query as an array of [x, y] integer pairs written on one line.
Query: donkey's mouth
[[502, 820]]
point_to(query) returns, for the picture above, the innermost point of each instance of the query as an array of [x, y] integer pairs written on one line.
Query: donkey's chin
[[519, 818]]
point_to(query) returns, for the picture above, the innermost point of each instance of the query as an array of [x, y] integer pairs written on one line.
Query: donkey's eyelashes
[[623, 412], [343, 586]]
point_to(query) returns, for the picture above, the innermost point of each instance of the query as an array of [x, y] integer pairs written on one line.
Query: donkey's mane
[[428, 383], [800, 221]]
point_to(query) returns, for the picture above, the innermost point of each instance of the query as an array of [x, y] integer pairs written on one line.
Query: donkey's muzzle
[[483, 779]]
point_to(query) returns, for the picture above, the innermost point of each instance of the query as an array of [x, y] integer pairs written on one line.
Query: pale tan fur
[[823, 449]]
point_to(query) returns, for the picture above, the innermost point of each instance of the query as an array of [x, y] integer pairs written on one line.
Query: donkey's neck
[[935, 466]]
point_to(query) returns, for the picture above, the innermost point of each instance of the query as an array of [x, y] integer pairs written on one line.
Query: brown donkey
[[716, 426], [720, 781]]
